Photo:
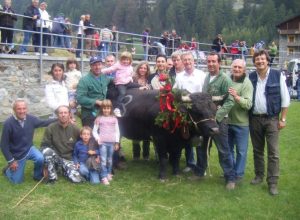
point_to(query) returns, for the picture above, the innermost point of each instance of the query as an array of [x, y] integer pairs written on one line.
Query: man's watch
[[283, 120]]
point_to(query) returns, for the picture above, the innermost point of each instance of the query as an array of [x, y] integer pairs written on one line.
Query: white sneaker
[[117, 112], [45, 54], [186, 170], [37, 53], [110, 177], [104, 181]]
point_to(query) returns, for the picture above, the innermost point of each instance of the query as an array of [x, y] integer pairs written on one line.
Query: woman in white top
[[56, 91]]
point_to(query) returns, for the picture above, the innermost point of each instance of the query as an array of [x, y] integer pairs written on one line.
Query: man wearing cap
[[91, 90]]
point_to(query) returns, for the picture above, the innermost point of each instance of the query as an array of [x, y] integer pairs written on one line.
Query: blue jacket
[[16, 141], [272, 91], [80, 154]]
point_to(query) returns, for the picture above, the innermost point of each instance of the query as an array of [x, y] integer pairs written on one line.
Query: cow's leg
[[174, 160], [163, 162]]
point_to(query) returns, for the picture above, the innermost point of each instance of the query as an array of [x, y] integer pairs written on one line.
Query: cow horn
[[217, 98], [186, 98]]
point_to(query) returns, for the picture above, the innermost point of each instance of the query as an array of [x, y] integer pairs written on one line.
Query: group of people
[[256, 103], [56, 32], [240, 50]]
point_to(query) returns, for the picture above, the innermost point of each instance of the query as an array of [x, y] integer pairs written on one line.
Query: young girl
[[85, 157], [72, 78], [123, 79], [106, 133]]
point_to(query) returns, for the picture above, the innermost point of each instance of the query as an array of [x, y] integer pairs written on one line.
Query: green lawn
[[136, 192]]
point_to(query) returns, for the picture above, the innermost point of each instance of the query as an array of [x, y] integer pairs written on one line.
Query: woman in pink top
[[106, 133], [123, 79]]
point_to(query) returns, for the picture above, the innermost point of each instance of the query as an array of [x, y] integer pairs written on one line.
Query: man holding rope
[[16, 143], [217, 84]]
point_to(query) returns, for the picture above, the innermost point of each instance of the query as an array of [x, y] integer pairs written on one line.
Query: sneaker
[[256, 180], [24, 53], [230, 185], [187, 169], [117, 112], [273, 190], [109, 177], [104, 181], [37, 53], [45, 54]]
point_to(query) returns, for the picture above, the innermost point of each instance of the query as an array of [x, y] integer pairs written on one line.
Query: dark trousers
[[37, 40], [79, 45], [224, 153], [264, 129], [7, 36]]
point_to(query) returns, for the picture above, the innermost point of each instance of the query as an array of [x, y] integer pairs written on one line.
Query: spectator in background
[[114, 46], [234, 50], [29, 24], [58, 28], [193, 45], [174, 42], [7, 20], [80, 34], [89, 32], [106, 37], [243, 49], [298, 87], [42, 23], [273, 52], [146, 42], [217, 43], [68, 33], [164, 40]]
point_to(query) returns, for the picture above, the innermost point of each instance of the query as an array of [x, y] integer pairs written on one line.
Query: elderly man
[[58, 146], [268, 117], [238, 118], [91, 90], [192, 80], [217, 84], [16, 143]]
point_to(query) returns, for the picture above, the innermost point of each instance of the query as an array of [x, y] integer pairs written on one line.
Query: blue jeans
[[91, 175], [238, 136], [225, 159], [189, 156], [106, 153], [59, 41], [26, 40], [36, 156], [105, 49], [122, 92]]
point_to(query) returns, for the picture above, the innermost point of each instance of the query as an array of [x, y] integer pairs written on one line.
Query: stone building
[[289, 39]]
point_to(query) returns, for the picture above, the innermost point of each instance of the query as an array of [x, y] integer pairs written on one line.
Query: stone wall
[[20, 77]]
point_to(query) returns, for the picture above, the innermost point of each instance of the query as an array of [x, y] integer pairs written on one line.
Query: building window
[[291, 50], [291, 38]]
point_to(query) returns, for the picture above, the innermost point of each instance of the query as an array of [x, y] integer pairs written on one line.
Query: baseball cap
[[95, 59]]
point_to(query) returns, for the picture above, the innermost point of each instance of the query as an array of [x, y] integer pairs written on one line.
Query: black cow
[[138, 122]]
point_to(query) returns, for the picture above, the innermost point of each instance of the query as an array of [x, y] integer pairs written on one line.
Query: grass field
[[136, 192]]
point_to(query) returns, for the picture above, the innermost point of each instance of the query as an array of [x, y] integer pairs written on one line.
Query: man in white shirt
[[192, 80], [268, 115]]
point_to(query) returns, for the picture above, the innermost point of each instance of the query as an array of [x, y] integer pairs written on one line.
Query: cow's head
[[202, 113]]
